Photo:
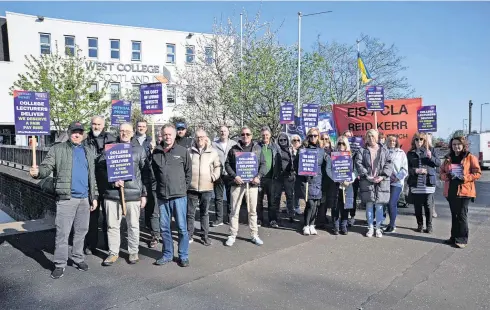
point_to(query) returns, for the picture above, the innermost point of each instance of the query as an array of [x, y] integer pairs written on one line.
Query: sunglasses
[[246, 134], [326, 139], [296, 140], [282, 140], [312, 136], [341, 143], [419, 139]]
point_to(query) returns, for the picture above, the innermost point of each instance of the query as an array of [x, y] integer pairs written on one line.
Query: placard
[[310, 116], [375, 98], [31, 113], [246, 166], [341, 166], [120, 112], [308, 162], [286, 114], [457, 170], [427, 119], [119, 160], [356, 143], [151, 96]]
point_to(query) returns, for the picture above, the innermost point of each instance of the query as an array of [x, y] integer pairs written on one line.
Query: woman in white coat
[[397, 180]]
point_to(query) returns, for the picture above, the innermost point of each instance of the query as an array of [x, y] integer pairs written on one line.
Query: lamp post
[[464, 125], [300, 15], [481, 115]]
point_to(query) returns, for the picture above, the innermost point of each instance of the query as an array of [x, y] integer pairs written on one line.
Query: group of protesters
[[177, 174]]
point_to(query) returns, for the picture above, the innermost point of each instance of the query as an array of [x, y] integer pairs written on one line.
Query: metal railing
[[19, 156]]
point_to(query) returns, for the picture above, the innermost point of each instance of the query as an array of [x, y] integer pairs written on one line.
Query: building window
[[69, 45], [94, 87], [190, 98], [93, 45], [115, 91], [209, 55], [45, 43], [135, 92], [170, 94], [136, 51], [114, 49], [170, 53], [190, 54]]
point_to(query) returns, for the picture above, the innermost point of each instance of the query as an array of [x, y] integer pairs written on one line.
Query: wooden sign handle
[[34, 158], [306, 194], [248, 197], [123, 201]]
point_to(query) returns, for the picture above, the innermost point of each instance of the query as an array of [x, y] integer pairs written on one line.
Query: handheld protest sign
[[286, 113], [310, 116], [356, 143], [119, 159], [246, 166], [427, 119], [120, 112], [341, 166], [308, 164], [375, 101], [151, 96], [32, 116]]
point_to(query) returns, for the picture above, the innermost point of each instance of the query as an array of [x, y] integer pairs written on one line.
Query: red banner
[[399, 117]]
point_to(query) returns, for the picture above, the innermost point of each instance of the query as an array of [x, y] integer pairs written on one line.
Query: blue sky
[[446, 44]]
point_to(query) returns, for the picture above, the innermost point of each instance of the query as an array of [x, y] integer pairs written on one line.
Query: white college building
[[127, 56]]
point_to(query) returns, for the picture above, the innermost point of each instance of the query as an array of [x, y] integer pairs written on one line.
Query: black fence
[[18, 156]]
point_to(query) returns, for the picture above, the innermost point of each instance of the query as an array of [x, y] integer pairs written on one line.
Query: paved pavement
[[404, 270]]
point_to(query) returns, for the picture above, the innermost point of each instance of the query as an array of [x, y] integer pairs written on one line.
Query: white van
[[479, 144]]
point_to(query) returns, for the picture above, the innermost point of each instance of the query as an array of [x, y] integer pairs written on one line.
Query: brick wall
[[24, 198]]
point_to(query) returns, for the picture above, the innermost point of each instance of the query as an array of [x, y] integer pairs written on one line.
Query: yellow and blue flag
[[365, 76]]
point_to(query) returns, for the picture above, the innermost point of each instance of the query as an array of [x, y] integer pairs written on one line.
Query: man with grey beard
[[96, 139]]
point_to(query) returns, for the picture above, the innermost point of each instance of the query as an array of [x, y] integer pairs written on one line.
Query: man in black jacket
[[181, 138], [97, 138], [134, 196], [172, 168], [283, 176], [239, 189], [152, 214]]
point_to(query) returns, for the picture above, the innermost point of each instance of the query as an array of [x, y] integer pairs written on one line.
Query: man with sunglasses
[[238, 187], [270, 152], [284, 177]]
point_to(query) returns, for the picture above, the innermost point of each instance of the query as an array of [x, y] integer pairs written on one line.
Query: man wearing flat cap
[[73, 168]]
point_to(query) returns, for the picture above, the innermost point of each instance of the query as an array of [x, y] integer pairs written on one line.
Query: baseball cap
[[75, 126], [180, 125]]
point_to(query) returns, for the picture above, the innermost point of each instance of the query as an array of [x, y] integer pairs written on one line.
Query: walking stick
[[123, 201]]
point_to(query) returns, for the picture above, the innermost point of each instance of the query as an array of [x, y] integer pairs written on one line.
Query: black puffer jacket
[[98, 143], [417, 156], [135, 188], [283, 167]]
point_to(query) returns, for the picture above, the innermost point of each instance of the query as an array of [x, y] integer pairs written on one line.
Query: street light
[[300, 15], [481, 115]]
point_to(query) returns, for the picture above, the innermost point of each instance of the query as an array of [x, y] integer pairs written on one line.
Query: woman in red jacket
[[459, 172]]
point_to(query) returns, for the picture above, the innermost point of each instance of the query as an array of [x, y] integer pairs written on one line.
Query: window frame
[[69, 46], [119, 90], [174, 94], [115, 49], [193, 54], [41, 44], [96, 48], [135, 51], [174, 54], [208, 61], [90, 90]]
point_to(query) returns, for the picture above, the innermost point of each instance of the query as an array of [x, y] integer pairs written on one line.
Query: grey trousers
[[74, 212]]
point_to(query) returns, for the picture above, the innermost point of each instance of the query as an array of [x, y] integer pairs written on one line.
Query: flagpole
[[358, 69]]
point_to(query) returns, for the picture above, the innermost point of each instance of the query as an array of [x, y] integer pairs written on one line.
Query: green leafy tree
[[69, 83]]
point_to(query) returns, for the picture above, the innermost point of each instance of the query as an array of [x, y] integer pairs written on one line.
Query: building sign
[[130, 73]]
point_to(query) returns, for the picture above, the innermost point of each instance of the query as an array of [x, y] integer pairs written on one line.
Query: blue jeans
[[395, 192], [379, 214], [178, 208]]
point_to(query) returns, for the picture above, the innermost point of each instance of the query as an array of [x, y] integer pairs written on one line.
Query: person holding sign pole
[[172, 167], [73, 167], [459, 172], [134, 198], [340, 195], [311, 186], [240, 189], [375, 167], [206, 169], [422, 179], [97, 138]]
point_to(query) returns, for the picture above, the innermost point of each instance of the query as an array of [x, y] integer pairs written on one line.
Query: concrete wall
[[24, 198]]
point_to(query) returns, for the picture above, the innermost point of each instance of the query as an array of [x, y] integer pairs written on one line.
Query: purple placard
[[375, 98], [119, 159], [246, 166], [31, 113], [286, 115], [151, 96], [120, 112], [355, 143], [310, 116], [341, 166], [427, 119], [308, 162]]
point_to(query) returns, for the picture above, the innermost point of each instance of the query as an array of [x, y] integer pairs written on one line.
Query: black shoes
[[183, 262], [206, 241], [57, 273], [216, 224], [420, 228], [429, 230], [390, 229], [81, 266]]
